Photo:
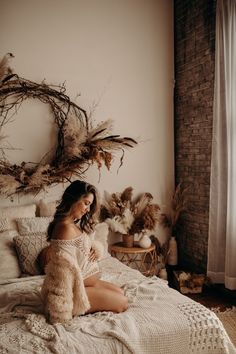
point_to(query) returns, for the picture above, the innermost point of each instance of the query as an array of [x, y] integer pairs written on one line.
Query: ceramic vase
[[128, 240], [173, 252], [163, 274], [145, 242]]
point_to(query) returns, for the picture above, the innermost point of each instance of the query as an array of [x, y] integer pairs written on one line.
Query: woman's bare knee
[[123, 305], [108, 285], [102, 299]]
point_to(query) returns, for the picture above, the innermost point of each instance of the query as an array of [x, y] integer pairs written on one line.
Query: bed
[[159, 319]]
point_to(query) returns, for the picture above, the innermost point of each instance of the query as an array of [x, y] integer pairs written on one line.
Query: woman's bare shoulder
[[63, 231]]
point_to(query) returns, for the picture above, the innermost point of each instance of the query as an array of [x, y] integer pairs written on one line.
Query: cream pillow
[[28, 248], [101, 234], [32, 225], [5, 224], [21, 211], [9, 265], [47, 208]]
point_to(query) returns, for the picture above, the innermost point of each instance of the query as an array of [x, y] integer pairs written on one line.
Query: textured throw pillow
[[5, 224], [28, 248], [21, 211], [47, 208], [101, 235], [9, 265], [36, 224]]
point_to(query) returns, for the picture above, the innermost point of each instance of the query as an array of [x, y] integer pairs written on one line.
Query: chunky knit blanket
[[158, 320]]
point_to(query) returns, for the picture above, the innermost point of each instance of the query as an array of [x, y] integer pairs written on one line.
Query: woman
[[72, 285]]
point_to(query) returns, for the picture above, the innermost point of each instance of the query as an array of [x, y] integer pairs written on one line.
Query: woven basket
[[128, 240]]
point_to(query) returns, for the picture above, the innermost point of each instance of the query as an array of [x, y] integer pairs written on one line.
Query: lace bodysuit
[[79, 248]]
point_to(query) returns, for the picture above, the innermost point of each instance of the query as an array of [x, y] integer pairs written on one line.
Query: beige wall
[[119, 56]]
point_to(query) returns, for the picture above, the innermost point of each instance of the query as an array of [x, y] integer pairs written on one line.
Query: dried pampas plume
[[179, 204], [142, 202], [75, 138], [8, 185]]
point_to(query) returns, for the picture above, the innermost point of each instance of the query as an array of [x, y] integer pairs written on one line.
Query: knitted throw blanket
[[158, 320]]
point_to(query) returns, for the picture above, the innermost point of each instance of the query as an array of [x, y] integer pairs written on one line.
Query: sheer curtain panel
[[222, 221]]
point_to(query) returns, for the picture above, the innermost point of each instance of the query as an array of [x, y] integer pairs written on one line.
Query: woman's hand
[[92, 255]]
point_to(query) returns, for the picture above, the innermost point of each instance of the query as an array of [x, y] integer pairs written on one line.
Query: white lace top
[[79, 248]]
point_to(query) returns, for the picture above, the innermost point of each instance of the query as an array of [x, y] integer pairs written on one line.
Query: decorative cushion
[[5, 224], [28, 248], [101, 235], [36, 224], [11, 213], [47, 208], [9, 265]]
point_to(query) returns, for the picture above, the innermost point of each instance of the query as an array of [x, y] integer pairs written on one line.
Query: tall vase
[[128, 240], [173, 252], [163, 274]]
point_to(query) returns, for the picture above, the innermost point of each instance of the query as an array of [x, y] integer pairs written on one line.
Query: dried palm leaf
[[107, 159], [126, 195], [114, 143], [5, 69], [101, 130]]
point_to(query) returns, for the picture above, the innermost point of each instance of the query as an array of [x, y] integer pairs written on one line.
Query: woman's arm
[[64, 231], [43, 258], [97, 250]]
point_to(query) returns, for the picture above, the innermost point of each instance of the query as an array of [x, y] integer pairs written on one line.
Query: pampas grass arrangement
[[127, 215]]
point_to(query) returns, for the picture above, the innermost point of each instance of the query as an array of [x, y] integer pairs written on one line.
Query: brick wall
[[194, 84]]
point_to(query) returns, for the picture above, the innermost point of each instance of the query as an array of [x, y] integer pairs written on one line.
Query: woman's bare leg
[[103, 299], [108, 285], [95, 281]]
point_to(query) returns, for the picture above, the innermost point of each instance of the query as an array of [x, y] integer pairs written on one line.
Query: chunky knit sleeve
[[63, 289]]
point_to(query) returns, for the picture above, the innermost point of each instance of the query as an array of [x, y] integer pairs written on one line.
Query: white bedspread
[[158, 320]]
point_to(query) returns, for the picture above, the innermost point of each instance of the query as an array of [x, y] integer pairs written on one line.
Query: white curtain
[[222, 223]]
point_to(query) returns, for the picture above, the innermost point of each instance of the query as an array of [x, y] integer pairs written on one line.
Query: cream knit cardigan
[[63, 292]]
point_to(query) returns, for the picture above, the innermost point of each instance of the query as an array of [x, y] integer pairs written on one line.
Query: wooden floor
[[211, 296], [215, 296]]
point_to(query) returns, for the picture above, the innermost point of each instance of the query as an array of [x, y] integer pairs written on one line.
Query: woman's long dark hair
[[72, 194]]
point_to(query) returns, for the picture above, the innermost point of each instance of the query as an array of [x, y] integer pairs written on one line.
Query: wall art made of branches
[[79, 144]]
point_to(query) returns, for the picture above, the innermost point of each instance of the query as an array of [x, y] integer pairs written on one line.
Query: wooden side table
[[142, 259]]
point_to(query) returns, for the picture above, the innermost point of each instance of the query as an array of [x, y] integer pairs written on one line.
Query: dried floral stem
[[179, 204]]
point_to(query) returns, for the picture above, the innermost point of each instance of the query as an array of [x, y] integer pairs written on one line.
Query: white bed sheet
[[159, 320]]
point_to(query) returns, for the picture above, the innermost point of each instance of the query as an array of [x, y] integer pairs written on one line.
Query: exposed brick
[[194, 76]]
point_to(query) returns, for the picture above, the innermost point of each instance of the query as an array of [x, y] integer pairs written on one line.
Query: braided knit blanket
[[158, 320]]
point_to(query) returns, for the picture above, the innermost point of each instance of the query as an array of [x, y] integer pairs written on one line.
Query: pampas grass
[[179, 204]]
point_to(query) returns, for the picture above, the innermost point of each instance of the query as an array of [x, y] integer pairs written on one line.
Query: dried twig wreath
[[78, 144]]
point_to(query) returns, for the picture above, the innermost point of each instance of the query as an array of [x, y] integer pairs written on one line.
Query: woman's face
[[82, 206]]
